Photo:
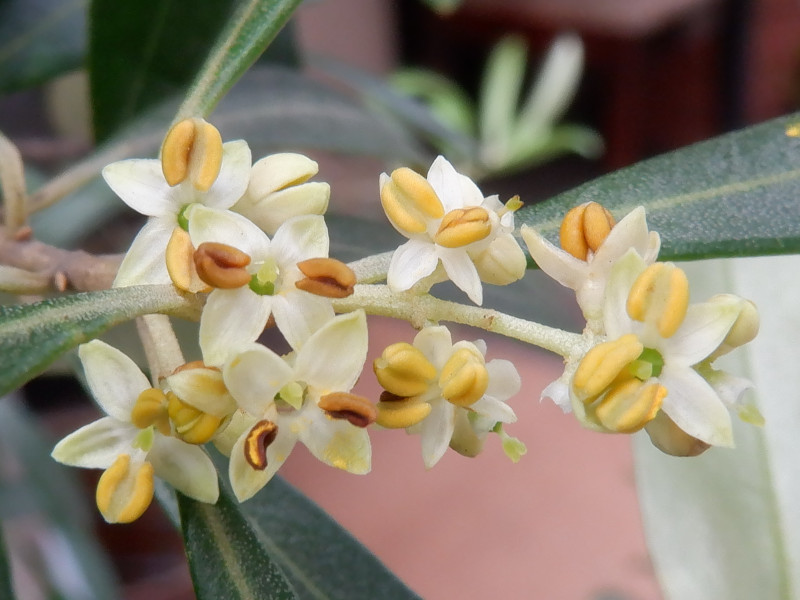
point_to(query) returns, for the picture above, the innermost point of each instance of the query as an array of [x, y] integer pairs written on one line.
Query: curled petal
[[561, 266], [504, 380], [702, 331], [204, 390], [411, 262]]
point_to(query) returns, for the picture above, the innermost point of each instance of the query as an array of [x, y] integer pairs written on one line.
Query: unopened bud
[[503, 262], [192, 149], [180, 263], [409, 200], [585, 228], [660, 296], [122, 494], [356, 410], [151, 409], [464, 377], [256, 443], [192, 425], [743, 330], [404, 370], [671, 439], [603, 364], [399, 413], [221, 266], [463, 226], [630, 405], [326, 277]]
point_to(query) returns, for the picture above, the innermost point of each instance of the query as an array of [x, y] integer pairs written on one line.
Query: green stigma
[[292, 393], [145, 438], [263, 282], [183, 220], [649, 364]]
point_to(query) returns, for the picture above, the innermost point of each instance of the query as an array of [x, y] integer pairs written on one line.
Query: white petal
[[231, 318], [702, 331], [558, 264], [300, 238], [113, 378], [141, 185], [226, 227], [245, 480], [186, 467], [729, 388], [333, 358], [437, 430], [615, 312], [204, 390], [96, 445], [336, 442], [145, 262], [411, 262], [254, 376], [454, 190], [558, 392], [494, 410], [299, 314], [695, 407], [436, 344], [630, 232], [234, 175], [504, 380], [462, 272]]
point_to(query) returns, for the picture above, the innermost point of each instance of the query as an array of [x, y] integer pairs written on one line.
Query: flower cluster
[[251, 241]]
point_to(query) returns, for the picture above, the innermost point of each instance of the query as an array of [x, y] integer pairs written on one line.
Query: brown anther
[[60, 281], [256, 443], [463, 226], [326, 277], [585, 228], [390, 397], [356, 410], [23, 234], [221, 266]]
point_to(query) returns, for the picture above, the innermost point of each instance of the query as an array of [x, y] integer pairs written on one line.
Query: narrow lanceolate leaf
[[726, 524], [248, 32], [735, 195], [39, 39], [33, 335], [225, 557]]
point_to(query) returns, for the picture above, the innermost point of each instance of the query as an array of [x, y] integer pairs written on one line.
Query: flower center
[[263, 282], [649, 364]]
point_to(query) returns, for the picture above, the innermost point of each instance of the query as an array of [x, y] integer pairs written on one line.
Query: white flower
[[116, 383], [284, 397], [589, 277], [449, 222], [140, 183], [237, 316]]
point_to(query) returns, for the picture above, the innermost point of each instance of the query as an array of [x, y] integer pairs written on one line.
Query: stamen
[[403, 370], [464, 378], [256, 443], [399, 413], [630, 405], [513, 205], [409, 201], [192, 149], [180, 263], [356, 410], [602, 364], [326, 277], [151, 409], [221, 266], [585, 228], [660, 296], [193, 426], [122, 497], [463, 226]]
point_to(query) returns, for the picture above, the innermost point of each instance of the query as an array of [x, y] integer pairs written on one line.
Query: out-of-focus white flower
[[448, 222]]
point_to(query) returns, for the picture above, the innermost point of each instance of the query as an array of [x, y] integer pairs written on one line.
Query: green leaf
[[726, 524], [225, 557], [142, 51], [39, 39], [34, 335], [248, 32], [735, 195], [6, 587]]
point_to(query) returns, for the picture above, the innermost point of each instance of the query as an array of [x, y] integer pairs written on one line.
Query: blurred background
[[561, 524]]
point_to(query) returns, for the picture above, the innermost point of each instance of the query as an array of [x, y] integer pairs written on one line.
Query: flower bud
[[192, 149], [151, 409], [660, 296], [403, 370], [603, 364], [356, 410], [279, 190], [124, 493], [743, 330], [409, 200], [399, 413], [464, 377], [671, 439], [221, 266], [463, 226], [326, 277], [585, 228], [502, 262], [630, 405]]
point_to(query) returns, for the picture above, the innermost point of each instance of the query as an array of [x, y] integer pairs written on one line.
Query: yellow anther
[[464, 377], [409, 201], [603, 364], [399, 413], [793, 130], [256, 443], [151, 409], [221, 266], [180, 263], [660, 296], [192, 149], [356, 410], [585, 228], [326, 277], [403, 370], [123, 496], [463, 226], [630, 405], [671, 439], [193, 426]]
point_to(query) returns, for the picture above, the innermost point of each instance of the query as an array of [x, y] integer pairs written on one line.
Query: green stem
[[421, 309], [371, 269]]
